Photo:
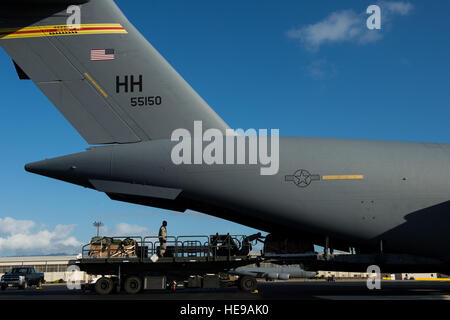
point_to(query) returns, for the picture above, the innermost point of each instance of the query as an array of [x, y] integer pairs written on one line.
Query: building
[[385, 276], [53, 267]]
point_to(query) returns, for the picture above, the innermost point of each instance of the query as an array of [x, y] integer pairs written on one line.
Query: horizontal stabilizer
[[44, 2], [22, 75]]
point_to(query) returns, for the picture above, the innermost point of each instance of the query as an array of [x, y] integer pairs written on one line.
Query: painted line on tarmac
[[442, 297]]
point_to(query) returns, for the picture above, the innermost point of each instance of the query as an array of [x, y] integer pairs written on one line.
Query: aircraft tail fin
[[102, 75]]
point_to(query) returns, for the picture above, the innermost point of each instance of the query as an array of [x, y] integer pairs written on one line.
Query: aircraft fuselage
[[356, 191]]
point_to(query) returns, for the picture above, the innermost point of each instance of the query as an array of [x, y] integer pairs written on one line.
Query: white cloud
[[321, 69], [401, 8], [346, 26], [338, 27], [21, 237], [125, 229], [9, 226]]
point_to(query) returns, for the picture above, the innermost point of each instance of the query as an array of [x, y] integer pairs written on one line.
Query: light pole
[[98, 224]]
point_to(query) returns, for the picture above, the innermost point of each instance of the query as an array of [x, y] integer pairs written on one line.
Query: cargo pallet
[[133, 264]]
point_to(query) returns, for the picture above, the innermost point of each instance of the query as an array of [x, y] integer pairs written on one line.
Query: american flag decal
[[102, 54]]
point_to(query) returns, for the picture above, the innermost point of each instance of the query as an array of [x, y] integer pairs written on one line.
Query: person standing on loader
[[162, 239]]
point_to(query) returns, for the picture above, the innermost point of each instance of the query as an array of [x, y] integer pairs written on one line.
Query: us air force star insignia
[[302, 178]]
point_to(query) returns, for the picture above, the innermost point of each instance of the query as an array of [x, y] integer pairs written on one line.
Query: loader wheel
[[133, 285], [247, 283], [104, 286]]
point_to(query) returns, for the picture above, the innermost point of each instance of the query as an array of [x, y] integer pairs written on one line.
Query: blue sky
[[308, 68]]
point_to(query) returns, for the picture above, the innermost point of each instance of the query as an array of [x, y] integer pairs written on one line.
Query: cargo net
[[112, 247]]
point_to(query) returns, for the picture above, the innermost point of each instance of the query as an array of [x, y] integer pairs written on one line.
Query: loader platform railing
[[191, 247]]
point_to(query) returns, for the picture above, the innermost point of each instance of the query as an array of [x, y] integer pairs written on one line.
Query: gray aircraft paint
[[398, 199], [401, 199], [58, 66], [274, 273]]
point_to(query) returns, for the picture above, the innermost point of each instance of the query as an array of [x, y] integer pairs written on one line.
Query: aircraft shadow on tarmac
[[290, 290]]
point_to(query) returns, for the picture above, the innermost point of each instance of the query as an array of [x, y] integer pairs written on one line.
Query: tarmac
[[270, 291]]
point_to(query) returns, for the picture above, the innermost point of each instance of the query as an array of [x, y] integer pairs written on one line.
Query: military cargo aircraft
[[384, 199]]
